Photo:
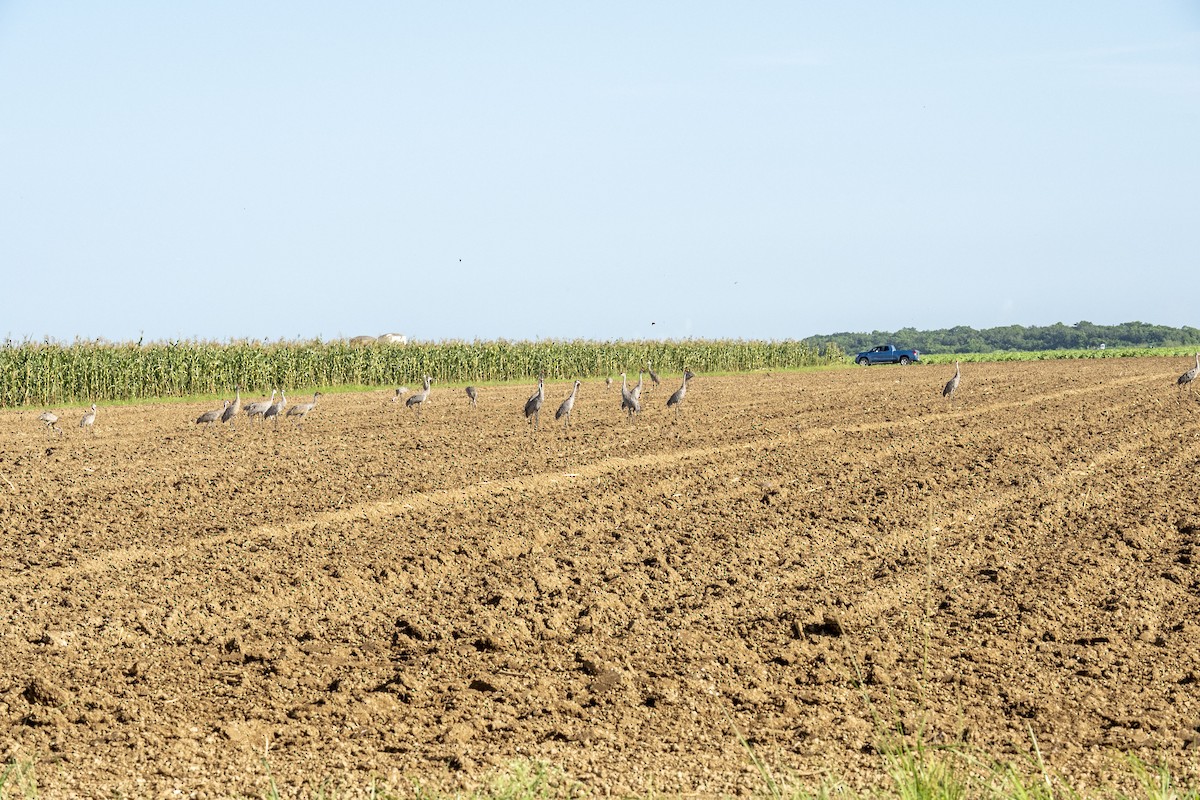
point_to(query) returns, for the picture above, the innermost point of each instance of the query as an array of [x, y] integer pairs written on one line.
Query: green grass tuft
[[18, 780]]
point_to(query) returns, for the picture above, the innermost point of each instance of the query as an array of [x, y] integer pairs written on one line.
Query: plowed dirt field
[[805, 559]]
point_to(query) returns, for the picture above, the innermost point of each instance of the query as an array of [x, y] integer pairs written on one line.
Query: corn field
[[84, 372]]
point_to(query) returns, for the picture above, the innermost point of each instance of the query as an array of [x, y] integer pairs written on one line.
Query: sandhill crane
[[1188, 377], [300, 410], [89, 419], [608, 382], [653, 377], [51, 422], [637, 390], [629, 401], [212, 416], [276, 409], [403, 390], [232, 410], [952, 384], [677, 398], [564, 410], [533, 406], [418, 399], [472, 395], [259, 409]]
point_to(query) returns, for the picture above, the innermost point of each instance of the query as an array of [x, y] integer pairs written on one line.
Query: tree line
[[1082, 335]]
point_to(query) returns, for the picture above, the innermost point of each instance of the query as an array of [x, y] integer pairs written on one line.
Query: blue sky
[[617, 170]]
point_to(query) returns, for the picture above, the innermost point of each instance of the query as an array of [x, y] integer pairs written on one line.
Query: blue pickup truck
[[887, 354]]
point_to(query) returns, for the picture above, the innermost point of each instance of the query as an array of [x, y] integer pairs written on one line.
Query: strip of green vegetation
[[906, 773], [85, 372], [1055, 355]]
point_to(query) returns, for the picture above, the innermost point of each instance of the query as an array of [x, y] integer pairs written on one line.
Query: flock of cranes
[[269, 409], [631, 401]]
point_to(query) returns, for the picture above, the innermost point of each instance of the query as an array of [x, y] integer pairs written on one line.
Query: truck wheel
[[863, 362], [905, 361]]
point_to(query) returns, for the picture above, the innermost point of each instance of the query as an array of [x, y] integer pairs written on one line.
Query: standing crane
[[418, 400], [564, 410], [259, 409], [233, 409], [629, 401], [276, 409], [952, 384], [653, 377], [50, 420], [637, 390], [1188, 377], [677, 398], [533, 406], [89, 420], [212, 416], [300, 411], [472, 395], [608, 382], [403, 390]]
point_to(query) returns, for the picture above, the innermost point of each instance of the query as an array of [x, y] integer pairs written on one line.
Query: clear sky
[[616, 170]]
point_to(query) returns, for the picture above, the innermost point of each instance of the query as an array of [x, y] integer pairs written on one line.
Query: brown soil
[[809, 560]]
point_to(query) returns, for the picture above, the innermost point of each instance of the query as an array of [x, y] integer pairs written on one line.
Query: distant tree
[[964, 339]]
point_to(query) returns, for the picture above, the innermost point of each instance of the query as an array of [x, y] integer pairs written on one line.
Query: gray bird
[[233, 409], [212, 416], [629, 402], [51, 422], [608, 382], [677, 398], [259, 409], [418, 400], [1186, 378], [533, 406], [276, 409], [300, 410], [564, 410], [89, 419], [403, 390], [637, 390], [472, 395], [653, 377], [952, 384]]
